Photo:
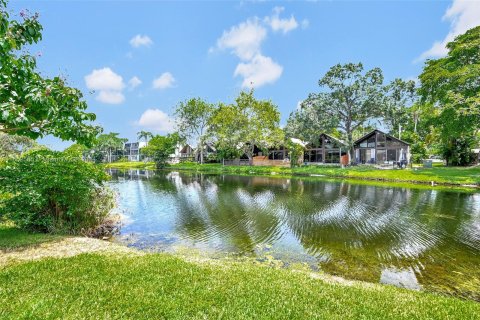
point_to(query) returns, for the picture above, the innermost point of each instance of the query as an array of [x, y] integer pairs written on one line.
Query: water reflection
[[407, 237]]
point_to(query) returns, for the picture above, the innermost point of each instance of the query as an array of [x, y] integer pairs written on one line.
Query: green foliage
[[247, 123], [451, 85], [161, 147], [193, 117], [146, 135], [53, 192], [30, 104], [349, 98], [399, 97], [107, 144], [295, 152], [75, 151], [12, 145]]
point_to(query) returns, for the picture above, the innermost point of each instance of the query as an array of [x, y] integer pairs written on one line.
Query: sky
[[135, 60]]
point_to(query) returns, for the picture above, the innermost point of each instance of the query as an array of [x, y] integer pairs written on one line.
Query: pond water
[[414, 238]]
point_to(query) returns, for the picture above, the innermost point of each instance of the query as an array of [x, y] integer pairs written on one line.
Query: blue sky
[[135, 60]]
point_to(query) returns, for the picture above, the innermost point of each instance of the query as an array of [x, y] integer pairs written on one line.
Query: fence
[[236, 162]]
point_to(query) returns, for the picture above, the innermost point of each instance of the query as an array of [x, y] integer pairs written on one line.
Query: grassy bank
[[439, 175], [158, 286], [119, 284]]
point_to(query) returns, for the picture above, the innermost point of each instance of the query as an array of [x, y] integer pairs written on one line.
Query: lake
[[417, 238]]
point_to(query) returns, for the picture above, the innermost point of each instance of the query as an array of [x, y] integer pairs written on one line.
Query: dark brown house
[[326, 149], [378, 147]]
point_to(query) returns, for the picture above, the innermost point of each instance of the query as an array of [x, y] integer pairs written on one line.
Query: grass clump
[[159, 286]]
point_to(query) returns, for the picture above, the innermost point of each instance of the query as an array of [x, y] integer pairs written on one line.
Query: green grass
[[160, 286], [131, 165], [439, 175], [12, 237]]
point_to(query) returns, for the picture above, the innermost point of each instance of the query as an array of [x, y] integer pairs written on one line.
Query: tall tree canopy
[[349, 98], [247, 123], [193, 118], [452, 85], [30, 104]]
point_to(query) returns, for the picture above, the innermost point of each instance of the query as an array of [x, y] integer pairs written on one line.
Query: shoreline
[[351, 174]]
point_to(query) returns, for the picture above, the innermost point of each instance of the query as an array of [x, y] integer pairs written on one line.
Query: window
[[391, 154], [371, 142], [381, 156], [319, 155], [381, 140], [332, 156]]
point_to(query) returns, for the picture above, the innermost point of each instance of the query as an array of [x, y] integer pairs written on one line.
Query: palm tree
[[110, 142], [144, 135]]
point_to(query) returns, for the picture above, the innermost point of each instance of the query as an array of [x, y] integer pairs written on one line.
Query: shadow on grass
[[14, 238]]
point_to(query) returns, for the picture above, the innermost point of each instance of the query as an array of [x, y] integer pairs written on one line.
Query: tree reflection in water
[[408, 237]]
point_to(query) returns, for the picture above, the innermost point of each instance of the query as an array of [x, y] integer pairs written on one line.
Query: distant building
[[183, 152], [326, 150], [380, 148], [132, 150]]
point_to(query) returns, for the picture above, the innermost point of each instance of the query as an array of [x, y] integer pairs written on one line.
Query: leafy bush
[[52, 192], [161, 147]]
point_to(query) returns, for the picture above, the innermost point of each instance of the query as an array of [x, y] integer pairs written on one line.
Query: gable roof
[[378, 131], [330, 137]]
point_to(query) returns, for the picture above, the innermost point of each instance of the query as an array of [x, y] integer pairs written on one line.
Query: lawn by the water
[[438, 175], [161, 286]]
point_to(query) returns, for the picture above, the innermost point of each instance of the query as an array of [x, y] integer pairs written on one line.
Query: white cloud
[[157, 120], [111, 97], [279, 24], [140, 40], [134, 82], [463, 15], [165, 81], [244, 40], [258, 71], [109, 84]]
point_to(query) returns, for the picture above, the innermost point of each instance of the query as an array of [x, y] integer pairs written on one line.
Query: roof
[[330, 137], [378, 131]]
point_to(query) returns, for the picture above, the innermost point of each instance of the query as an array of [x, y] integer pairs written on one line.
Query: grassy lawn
[[12, 237], [158, 286], [439, 175]]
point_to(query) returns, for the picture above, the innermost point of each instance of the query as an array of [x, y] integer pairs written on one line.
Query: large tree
[[193, 118], [452, 85], [30, 104], [349, 98], [399, 98], [247, 123]]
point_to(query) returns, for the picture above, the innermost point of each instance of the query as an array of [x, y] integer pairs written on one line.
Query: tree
[[399, 96], [11, 145], [193, 118], [351, 99], [161, 147], [296, 149], [247, 123], [452, 85], [107, 143], [144, 135], [32, 105]]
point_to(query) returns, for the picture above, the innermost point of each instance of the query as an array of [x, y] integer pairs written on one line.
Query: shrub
[[52, 192]]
